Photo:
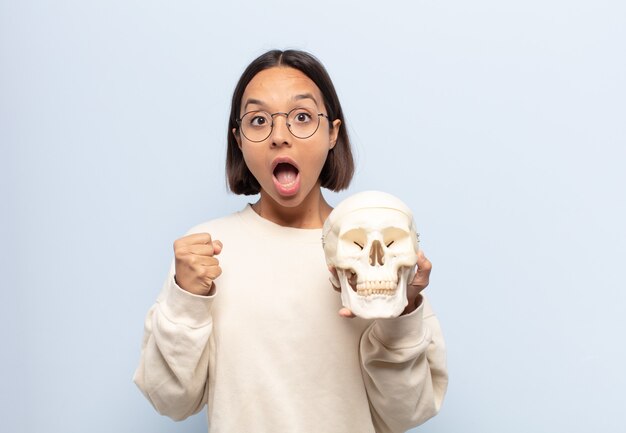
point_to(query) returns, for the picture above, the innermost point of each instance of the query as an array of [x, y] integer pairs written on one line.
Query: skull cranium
[[370, 239]]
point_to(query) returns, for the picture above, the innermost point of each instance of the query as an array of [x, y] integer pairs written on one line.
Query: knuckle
[[201, 271], [205, 239], [217, 271]]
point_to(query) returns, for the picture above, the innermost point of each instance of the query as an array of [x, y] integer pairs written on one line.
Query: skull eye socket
[[353, 241], [396, 237]]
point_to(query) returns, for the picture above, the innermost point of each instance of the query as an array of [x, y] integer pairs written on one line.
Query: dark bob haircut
[[339, 167]]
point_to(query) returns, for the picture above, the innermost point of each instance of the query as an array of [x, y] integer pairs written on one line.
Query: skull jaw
[[376, 306]]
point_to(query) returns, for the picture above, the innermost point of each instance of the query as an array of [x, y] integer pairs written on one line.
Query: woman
[[255, 334]]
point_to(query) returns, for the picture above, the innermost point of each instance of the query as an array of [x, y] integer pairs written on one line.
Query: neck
[[309, 214]]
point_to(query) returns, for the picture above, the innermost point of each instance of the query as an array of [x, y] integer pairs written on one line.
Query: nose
[[377, 255], [280, 131]]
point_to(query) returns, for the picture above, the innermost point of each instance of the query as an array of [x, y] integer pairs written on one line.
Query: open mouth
[[286, 178], [285, 173]]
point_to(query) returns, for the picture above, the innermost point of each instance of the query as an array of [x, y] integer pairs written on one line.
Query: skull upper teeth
[[368, 288]]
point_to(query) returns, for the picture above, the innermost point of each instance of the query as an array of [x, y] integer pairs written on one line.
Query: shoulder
[[228, 223]]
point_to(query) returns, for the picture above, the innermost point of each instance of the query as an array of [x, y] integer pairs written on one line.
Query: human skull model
[[370, 239]]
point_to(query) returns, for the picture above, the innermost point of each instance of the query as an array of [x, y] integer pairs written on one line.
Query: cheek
[[326, 148], [252, 159], [318, 160], [324, 157]]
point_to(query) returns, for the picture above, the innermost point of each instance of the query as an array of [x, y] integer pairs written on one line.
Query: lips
[[286, 176]]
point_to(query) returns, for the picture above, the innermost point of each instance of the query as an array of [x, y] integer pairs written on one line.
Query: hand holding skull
[[419, 283]]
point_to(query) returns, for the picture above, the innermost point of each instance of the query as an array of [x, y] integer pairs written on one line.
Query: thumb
[[217, 247], [345, 312]]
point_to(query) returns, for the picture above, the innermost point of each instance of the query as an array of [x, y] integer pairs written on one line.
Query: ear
[[237, 137], [334, 132]]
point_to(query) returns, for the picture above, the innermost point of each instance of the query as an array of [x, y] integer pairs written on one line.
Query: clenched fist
[[196, 265]]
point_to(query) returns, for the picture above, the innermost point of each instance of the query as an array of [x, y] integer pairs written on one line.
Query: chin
[[290, 201]]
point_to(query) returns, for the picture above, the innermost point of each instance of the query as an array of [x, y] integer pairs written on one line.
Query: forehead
[[373, 218], [280, 84]]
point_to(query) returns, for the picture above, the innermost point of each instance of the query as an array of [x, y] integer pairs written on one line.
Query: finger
[[422, 276], [206, 261], [211, 272], [333, 271], [198, 238], [334, 278], [199, 249], [424, 266], [217, 247], [206, 267], [185, 241], [197, 265], [420, 282], [344, 312]]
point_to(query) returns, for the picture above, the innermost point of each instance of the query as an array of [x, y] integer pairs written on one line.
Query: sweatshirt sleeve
[[173, 368], [404, 369]]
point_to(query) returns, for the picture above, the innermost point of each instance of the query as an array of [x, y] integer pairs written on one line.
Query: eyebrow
[[253, 101], [305, 96]]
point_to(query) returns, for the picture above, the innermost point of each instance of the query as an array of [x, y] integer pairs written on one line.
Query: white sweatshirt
[[269, 353]]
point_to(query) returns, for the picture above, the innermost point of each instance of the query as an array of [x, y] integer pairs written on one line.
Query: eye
[[301, 115], [257, 119], [389, 244], [358, 244]]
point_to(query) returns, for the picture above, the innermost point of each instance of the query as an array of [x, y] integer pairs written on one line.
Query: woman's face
[[286, 167]]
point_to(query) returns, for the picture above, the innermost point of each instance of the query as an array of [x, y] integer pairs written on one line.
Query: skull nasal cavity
[[377, 256]]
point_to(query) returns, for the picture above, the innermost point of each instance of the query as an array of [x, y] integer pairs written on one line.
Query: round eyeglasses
[[256, 126]]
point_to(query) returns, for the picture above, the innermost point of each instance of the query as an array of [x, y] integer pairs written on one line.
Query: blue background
[[501, 124]]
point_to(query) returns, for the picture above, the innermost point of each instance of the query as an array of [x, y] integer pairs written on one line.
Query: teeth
[[368, 292], [377, 285], [368, 288]]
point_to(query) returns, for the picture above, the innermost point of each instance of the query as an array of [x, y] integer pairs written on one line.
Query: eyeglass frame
[[286, 122]]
